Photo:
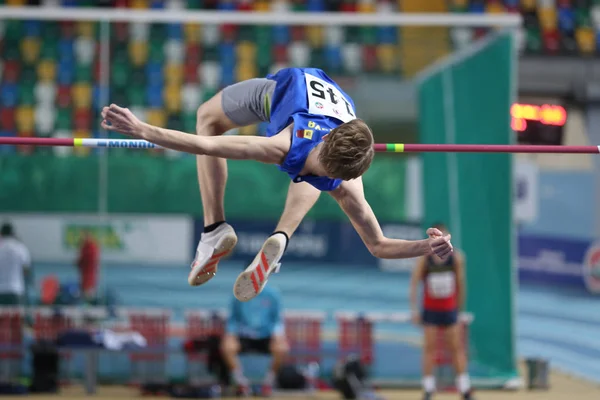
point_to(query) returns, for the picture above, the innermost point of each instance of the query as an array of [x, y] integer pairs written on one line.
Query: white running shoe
[[254, 278], [211, 248]]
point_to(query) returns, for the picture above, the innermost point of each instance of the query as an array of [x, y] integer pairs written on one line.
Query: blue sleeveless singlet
[[315, 104]]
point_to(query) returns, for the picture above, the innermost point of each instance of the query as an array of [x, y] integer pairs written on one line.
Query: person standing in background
[[255, 326], [87, 263], [15, 267], [443, 297]]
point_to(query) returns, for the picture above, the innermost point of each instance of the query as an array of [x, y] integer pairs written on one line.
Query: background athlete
[[443, 297], [313, 135]]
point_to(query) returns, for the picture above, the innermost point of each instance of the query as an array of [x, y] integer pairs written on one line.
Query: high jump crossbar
[[379, 147]]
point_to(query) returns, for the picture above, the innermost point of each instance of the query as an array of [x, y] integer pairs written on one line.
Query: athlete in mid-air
[[313, 135]]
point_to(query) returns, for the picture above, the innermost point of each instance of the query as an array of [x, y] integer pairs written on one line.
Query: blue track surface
[[560, 325]]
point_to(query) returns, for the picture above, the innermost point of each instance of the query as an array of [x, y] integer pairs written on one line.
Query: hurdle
[[12, 348], [153, 325], [303, 330]]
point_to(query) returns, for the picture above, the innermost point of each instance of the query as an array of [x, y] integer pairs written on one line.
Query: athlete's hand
[[118, 119], [439, 244]]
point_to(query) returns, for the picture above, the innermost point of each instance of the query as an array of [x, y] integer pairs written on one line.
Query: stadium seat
[[30, 49], [8, 95], [86, 29], [154, 97], [174, 51], [26, 95], [191, 97], [7, 119], [245, 71], [548, 18], [82, 119], [351, 53], [45, 116], [45, 93], [85, 50], [173, 74], [172, 98], [298, 54], [138, 53], [586, 40], [157, 117], [210, 75], [192, 33], [64, 119]]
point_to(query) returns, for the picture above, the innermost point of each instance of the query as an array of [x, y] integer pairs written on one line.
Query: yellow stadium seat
[[528, 5], [548, 18], [16, 2], [30, 49], [172, 97], [192, 32], [586, 40], [173, 74], [262, 5], [138, 4], [249, 130], [366, 7], [82, 95], [25, 119], [494, 8], [246, 51], [157, 117], [138, 53], [81, 134], [245, 71], [387, 57], [460, 3], [46, 71], [85, 29], [315, 35]]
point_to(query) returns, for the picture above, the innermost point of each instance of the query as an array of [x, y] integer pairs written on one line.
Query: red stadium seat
[[551, 40], [7, 119], [82, 119], [63, 97], [280, 53], [11, 71]]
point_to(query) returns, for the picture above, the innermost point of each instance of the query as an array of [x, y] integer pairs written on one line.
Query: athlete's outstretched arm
[[350, 196], [257, 148]]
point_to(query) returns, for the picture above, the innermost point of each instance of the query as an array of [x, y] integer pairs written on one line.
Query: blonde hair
[[347, 151]]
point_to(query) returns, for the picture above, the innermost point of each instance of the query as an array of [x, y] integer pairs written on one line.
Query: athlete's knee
[[279, 346], [230, 345], [207, 123]]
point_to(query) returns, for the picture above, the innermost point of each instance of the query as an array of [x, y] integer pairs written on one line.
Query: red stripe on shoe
[[261, 276], [254, 283], [221, 254], [210, 264], [265, 263]]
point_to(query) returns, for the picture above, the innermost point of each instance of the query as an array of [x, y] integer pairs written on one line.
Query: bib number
[[441, 285], [326, 99]]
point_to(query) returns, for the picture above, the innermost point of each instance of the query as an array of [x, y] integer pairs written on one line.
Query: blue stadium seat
[[566, 19], [315, 5], [227, 74], [387, 35], [281, 34], [66, 49], [227, 55], [154, 73], [66, 72], [154, 96], [175, 31], [32, 28], [9, 94]]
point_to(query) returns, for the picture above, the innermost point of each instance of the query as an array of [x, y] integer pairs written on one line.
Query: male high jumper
[[313, 135]]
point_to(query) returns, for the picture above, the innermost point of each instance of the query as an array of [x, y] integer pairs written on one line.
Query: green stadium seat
[[136, 95], [28, 75], [174, 122], [11, 52], [189, 122], [156, 52], [83, 73], [533, 40], [583, 18], [64, 119], [368, 35], [263, 57], [195, 4], [13, 30], [119, 74], [26, 93]]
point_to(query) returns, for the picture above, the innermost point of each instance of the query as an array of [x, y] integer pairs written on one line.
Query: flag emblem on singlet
[[304, 133]]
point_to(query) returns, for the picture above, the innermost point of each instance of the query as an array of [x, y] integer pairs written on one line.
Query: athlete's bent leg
[[279, 349], [218, 238], [300, 199], [245, 103]]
